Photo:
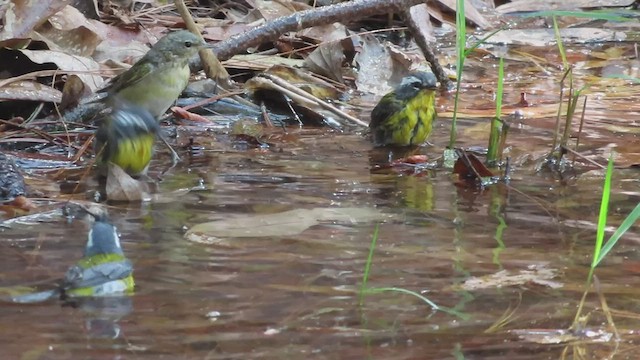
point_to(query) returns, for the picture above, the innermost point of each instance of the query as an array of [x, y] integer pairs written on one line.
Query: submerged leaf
[[286, 223]]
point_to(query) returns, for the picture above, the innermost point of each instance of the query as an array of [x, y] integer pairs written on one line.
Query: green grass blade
[[602, 218], [624, 227], [367, 265], [461, 43], [563, 54], [494, 136]]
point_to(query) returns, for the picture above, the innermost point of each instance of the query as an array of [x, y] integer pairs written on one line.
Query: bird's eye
[[187, 43]]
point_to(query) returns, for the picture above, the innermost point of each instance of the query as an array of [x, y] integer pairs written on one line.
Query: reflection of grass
[[366, 290]]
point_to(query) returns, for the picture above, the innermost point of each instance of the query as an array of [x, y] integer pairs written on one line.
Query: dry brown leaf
[[274, 9], [69, 31], [327, 60], [84, 67], [470, 12], [420, 15], [22, 16], [74, 90]]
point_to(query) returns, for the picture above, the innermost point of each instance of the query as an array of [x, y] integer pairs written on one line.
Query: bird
[[126, 138], [404, 117], [156, 80], [102, 271]]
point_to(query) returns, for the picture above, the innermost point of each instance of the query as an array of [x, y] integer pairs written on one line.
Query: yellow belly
[[134, 155], [412, 126]]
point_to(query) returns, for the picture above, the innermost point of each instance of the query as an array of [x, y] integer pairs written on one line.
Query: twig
[[344, 12], [212, 66], [429, 55]]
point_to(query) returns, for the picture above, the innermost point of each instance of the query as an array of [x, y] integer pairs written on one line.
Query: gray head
[[178, 45], [103, 239], [414, 83]]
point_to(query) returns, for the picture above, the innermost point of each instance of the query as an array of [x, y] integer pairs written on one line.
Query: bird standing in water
[[157, 80], [126, 138], [405, 116], [139, 96]]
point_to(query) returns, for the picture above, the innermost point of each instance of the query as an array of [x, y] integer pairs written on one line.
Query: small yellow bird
[[405, 116], [157, 80], [126, 138]]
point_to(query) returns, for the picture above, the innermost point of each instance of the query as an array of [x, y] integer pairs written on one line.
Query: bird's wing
[[135, 74], [78, 277], [386, 107]]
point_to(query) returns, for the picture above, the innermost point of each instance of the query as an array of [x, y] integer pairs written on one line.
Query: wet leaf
[[553, 336], [122, 187], [470, 170], [537, 275], [546, 37], [29, 90], [375, 66], [286, 223]]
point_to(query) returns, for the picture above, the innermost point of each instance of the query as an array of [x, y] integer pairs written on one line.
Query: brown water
[[294, 297]]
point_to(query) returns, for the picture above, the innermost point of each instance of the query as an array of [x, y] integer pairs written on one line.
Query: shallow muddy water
[[296, 296]]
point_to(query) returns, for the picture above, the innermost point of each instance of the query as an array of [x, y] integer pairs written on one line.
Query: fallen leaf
[[31, 91], [122, 187], [22, 16], [286, 223], [539, 275], [84, 67], [562, 336]]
